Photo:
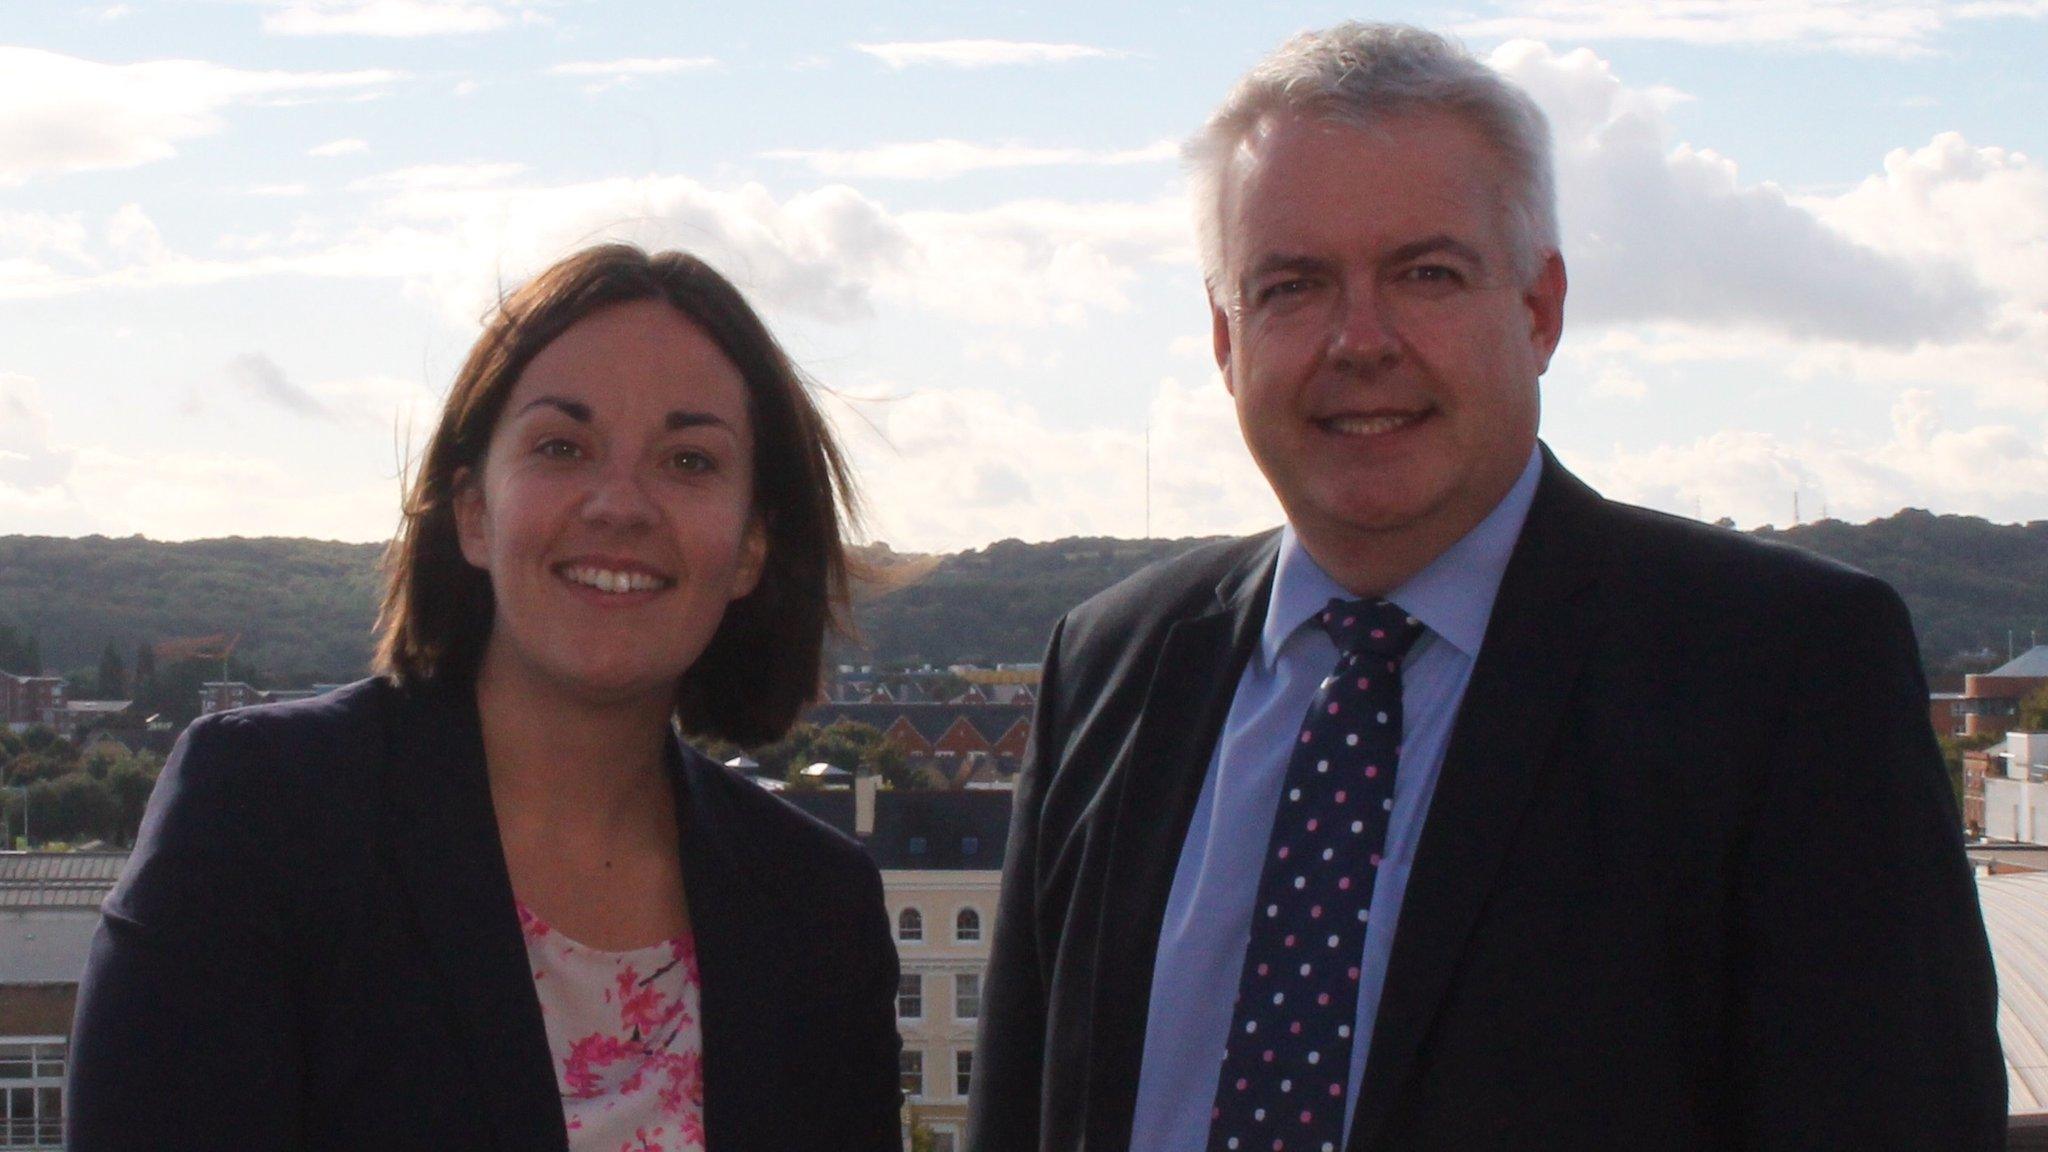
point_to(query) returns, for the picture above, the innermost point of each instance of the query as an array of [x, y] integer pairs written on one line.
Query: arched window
[[910, 925], [967, 926]]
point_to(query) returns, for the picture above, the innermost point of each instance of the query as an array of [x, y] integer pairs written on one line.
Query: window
[[963, 1072], [966, 996], [910, 926], [32, 1092], [969, 845], [913, 1072], [967, 926], [917, 845], [910, 996], [942, 1142]]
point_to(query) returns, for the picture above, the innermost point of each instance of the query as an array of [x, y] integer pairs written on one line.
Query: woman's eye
[[691, 460], [556, 448]]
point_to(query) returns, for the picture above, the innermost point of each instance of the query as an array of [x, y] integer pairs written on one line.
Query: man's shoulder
[[1656, 544], [1189, 583]]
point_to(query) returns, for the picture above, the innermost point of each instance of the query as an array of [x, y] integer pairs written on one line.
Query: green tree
[[113, 675], [131, 781], [73, 807], [18, 653], [2033, 716], [145, 670]]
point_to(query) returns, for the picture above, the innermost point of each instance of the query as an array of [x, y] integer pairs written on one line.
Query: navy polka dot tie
[[1287, 1063]]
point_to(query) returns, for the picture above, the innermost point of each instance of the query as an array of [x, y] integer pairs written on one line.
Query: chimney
[[864, 787]]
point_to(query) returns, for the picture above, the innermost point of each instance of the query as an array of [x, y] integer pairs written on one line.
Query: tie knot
[[1376, 626]]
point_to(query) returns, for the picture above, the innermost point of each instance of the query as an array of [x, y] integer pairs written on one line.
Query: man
[[1468, 810]]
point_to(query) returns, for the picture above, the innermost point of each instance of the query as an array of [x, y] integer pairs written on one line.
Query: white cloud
[[634, 66], [981, 53], [432, 177], [1994, 470], [63, 114], [393, 18], [110, 13], [1657, 232], [259, 376], [347, 146], [280, 191], [458, 233], [958, 468], [943, 159], [1867, 27]]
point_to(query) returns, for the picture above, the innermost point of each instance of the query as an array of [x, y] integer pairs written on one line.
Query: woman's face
[[614, 507]]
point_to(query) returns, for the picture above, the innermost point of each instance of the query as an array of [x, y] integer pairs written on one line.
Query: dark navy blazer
[[314, 946], [1692, 879]]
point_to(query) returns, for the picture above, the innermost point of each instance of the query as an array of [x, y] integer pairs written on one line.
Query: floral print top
[[624, 1031]]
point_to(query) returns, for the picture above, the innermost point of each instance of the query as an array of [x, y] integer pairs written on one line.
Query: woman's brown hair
[[761, 667]]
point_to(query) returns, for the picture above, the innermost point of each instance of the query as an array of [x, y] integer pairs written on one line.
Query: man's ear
[[468, 503], [1545, 301], [1219, 340]]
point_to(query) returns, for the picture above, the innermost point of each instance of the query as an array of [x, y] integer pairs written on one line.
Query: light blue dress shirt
[[1208, 914]]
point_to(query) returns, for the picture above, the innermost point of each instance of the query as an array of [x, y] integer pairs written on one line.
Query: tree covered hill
[[304, 608]]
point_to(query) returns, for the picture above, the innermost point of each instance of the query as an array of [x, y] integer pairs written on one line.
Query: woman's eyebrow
[[574, 409], [677, 421]]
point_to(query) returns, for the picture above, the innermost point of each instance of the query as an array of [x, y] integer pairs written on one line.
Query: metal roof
[[58, 879], [2016, 916], [2032, 662]]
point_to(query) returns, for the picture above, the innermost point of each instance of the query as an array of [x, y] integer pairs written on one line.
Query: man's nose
[[1363, 332]]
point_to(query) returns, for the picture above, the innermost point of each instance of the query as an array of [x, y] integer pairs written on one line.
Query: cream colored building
[[942, 919], [941, 856]]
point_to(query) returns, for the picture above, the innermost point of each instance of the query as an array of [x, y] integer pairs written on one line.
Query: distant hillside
[[304, 608]]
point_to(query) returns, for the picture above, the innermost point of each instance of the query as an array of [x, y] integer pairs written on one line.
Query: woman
[[488, 899]]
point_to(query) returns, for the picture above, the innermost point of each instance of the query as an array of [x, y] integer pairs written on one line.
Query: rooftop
[[923, 830], [2032, 662]]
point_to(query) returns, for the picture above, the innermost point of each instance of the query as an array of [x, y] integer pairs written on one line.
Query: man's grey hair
[[1362, 74]]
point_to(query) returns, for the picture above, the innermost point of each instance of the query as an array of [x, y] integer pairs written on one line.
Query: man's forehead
[[1294, 172]]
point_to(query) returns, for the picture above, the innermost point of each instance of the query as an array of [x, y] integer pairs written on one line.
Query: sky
[[245, 244]]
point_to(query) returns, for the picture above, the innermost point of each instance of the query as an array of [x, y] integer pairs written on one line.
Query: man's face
[[1370, 325]]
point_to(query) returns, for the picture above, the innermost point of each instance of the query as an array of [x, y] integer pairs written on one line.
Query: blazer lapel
[[1178, 725], [738, 960], [446, 852], [1543, 620]]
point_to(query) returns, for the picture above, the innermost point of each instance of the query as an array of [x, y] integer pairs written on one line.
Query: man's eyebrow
[[1431, 245], [1273, 262], [574, 409]]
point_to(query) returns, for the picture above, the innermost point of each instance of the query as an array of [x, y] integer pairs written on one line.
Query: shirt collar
[[1452, 595]]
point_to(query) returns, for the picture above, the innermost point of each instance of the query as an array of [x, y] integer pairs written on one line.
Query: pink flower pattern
[[627, 1043]]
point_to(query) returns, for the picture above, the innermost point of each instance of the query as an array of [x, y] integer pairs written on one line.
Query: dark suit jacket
[[1692, 877], [315, 946]]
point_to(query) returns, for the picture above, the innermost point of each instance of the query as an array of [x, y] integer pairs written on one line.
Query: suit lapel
[[1543, 620], [1179, 722], [446, 852], [737, 958]]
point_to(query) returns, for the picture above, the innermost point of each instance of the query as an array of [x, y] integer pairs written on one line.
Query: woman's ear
[[753, 556], [471, 517]]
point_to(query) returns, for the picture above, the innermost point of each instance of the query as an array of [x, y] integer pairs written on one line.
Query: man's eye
[[1281, 289], [1438, 275]]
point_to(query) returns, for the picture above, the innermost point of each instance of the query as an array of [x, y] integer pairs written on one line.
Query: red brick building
[[1990, 703]]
